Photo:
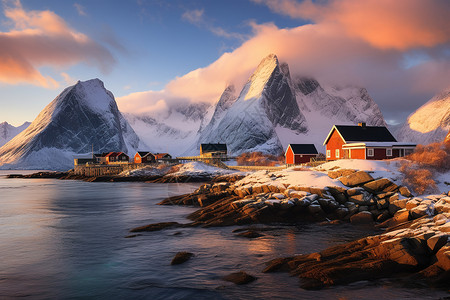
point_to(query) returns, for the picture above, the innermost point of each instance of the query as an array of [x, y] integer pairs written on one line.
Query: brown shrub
[[258, 159], [423, 163], [174, 169], [420, 180], [435, 156]]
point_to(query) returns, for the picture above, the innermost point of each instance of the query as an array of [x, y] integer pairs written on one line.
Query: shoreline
[[415, 243], [414, 246]]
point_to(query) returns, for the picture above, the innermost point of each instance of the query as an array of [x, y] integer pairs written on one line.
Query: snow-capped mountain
[[265, 103], [174, 131], [428, 124], [274, 110], [82, 117], [8, 131]]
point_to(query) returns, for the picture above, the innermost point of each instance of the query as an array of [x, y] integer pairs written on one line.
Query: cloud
[[331, 54], [385, 24], [197, 18], [194, 16], [42, 38], [80, 9]]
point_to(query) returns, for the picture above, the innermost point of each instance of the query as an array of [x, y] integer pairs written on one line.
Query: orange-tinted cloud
[[386, 24], [42, 38]]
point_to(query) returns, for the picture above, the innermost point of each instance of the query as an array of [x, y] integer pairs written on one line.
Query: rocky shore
[[414, 246]]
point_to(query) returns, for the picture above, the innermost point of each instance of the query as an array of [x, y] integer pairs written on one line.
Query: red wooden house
[[116, 157], [364, 142], [300, 153], [163, 157], [142, 157]]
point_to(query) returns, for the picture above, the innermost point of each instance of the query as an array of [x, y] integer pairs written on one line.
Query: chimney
[[362, 124]]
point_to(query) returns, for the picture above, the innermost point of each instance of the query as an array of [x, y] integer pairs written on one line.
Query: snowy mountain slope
[[81, 117], [325, 106], [174, 132], [266, 102], [428, 124], [7, 131], [286, 110]]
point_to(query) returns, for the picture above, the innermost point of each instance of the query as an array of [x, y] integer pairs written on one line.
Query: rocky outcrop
[[420, 247]]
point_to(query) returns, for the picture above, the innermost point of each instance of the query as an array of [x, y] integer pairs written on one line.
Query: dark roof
[[162, 155], [143, 153], [303, 148], [364, 134], [213, 147]]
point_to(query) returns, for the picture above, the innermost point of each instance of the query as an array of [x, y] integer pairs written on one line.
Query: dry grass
[[421, 165], [259, 159]]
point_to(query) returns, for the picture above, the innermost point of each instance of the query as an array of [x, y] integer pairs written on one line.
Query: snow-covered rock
[[8, 131], [428, 124], [83, 116]]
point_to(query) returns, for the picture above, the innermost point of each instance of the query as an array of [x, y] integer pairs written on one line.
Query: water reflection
[[65, 239]]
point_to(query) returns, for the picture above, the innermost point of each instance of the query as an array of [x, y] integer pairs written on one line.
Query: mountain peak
[[262, 74]]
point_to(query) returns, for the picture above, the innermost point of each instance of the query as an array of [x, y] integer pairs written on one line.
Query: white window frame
[[388, 151], [337, 153], [370, 152], [328, 153]]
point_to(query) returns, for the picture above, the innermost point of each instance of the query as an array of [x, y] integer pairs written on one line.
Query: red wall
[[358, 153], [137, 159], [299, 159], [289, 156], [335, 142]]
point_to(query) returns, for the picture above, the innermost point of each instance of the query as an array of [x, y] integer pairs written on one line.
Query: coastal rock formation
[[418, 246]]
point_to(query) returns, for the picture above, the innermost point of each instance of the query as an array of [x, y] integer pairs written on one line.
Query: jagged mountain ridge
[[8, 131], [429, 123], [298, 110], [265, 102], [83, 116]]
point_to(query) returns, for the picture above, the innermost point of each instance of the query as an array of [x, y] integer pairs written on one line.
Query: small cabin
[[117, 157], [213, 150], [144, 157], [300, 153], [162, 157], [83, 161], [364, 142]]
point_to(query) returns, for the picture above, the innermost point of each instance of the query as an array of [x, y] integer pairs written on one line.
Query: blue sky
[[144, 46]]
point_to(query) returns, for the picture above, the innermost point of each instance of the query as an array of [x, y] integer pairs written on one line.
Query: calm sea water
[[65, 240]]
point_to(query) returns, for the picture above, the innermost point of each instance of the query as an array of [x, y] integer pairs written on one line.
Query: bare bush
[[421, 165], [259, 159]]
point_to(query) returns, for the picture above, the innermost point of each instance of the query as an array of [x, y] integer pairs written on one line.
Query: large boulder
[[341, 172], [363, 217], [382, 185], [356, 179], [443, 257]]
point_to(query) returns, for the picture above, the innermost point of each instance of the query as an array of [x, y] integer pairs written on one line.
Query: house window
[[337, 153], [328, 153], [369, 151], [388, 152]]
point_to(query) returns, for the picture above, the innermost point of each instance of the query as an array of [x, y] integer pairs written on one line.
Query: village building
[[162, 157], [364, 142], [144, 157], [116, 157], [300, 153], [213, 150]]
